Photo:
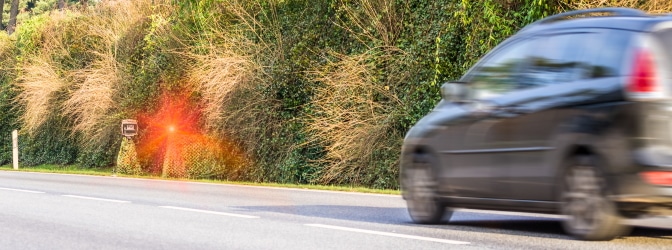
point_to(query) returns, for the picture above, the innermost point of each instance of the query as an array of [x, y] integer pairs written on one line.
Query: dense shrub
[[295, 91], [8, 113]]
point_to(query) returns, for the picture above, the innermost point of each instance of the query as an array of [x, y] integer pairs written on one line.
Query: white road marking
[[94, 198], [389, 234], [23, 190], [211, 212]]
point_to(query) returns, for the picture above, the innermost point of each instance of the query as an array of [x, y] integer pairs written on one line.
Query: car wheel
[[420, 184], [590, 214]]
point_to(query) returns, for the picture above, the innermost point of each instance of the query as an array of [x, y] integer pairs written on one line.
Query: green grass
[[75, 169], [67, 169]]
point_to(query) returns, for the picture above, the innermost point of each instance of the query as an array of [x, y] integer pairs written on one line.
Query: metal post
[[15, 149]]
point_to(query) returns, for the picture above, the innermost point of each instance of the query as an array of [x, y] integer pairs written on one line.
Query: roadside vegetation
[[260, 91]]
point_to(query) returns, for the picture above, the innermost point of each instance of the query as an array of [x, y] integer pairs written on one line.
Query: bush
[[127, 159], [8, 113], [294, 91]]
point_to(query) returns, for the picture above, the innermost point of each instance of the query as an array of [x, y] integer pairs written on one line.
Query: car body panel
[[506, 150]]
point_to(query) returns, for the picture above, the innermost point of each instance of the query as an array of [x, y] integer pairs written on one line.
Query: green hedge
[[412, 46]]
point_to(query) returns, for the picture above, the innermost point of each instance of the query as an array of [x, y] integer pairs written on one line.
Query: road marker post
[[15, 149]]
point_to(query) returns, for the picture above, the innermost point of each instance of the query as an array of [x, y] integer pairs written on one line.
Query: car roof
[[620, 18]]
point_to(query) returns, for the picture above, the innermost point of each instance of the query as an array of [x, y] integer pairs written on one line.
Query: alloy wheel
[[590, 214], [422, 203]]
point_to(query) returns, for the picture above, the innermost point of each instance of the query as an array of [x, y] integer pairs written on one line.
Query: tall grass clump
[[91, 103], [45, 136], [218, 74], [6, 46], [39, 83], [379, 21], [230, 59], [226, 78], [651, 6], [355, 105], [353, 118]]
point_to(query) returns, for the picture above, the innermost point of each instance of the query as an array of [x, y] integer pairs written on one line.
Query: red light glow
[[643, 78], [662, 178], [173, 133]]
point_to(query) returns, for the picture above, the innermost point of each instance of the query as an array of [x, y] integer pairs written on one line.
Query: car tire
[[591, 215], [420, 184]]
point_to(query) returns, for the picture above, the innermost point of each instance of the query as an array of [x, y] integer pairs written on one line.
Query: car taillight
[[643, 79], [663, 178]]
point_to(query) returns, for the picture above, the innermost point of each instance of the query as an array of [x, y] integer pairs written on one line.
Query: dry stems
[[381, 15], [39, 82], [217, 74], [90, 104], [353, 114], [5, 45], [652, 6], [96, 86], [230, 77]]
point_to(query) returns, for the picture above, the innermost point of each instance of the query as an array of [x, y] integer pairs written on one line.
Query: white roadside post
[[15, 148]]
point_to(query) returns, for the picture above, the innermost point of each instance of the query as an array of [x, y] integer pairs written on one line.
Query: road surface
[[53, 211]]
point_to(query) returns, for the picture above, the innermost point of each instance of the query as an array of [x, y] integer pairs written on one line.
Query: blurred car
[[571, 115]]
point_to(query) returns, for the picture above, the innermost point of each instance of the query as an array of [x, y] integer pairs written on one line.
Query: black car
[[571, 115]]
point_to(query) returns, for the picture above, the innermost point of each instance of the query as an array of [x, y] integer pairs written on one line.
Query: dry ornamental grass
[[92, 100], [353, 115], [651, 6], [39, 82]]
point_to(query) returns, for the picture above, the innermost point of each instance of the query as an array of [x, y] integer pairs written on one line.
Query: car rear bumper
[[637, 197]]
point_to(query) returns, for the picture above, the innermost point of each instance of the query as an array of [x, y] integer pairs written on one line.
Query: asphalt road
[[50, 211]]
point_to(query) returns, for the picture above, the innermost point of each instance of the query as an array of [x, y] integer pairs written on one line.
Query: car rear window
[[664, 37], [605, 53]]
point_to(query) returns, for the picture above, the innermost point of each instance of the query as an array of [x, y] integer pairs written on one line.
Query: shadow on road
[[385, 215], [531, 226], [461, 220], [522, 226], [651, 232], [541, 228]]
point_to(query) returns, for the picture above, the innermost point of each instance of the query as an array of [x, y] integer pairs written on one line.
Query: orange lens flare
[[168, 130], [173, 138]]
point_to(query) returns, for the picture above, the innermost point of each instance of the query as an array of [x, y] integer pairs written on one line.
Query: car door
[[473, 166], [529, 113], [568, 69]]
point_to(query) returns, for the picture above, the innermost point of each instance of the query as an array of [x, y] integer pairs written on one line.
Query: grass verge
[[75, 169]]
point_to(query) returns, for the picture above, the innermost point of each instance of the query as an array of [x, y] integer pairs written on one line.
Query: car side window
[[557, 59], [499, 73]]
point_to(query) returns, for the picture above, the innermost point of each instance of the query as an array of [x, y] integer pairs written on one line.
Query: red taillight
[[643, 78], [662, 178]]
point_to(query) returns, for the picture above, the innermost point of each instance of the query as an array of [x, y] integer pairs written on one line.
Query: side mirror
[[454, 91]]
